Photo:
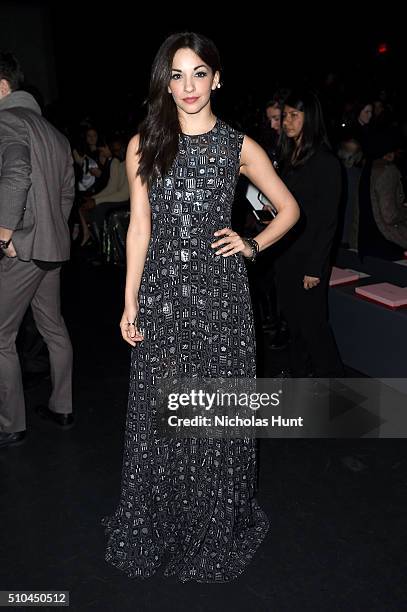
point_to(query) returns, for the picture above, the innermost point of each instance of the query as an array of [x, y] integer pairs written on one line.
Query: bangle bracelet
[[254, 245]]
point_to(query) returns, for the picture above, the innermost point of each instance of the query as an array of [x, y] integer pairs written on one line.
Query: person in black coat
[[313, 174]]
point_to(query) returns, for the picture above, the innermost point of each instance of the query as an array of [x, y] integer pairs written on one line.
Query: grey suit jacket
[[36, 180]]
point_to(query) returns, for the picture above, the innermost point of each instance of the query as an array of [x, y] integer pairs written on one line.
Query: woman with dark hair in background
[[274, 109], [313, 175], [188, 315], [271, 328], [361, 125]]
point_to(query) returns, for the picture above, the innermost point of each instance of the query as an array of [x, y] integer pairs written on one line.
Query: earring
[[218, 85]]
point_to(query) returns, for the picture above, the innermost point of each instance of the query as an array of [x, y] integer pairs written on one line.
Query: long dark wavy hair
[[313, 133], [160, 129]]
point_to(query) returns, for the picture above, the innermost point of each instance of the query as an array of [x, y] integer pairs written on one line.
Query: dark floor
[[337, 507]]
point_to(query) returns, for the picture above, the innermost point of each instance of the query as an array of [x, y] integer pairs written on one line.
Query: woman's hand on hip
[[230, 243]]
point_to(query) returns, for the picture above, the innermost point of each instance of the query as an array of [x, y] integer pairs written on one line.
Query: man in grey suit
[[36, 197]]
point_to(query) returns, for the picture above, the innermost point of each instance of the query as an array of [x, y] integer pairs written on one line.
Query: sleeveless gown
[[189, 505]]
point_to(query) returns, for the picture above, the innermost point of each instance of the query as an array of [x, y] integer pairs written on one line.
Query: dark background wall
[[89, 56], [27, 30]]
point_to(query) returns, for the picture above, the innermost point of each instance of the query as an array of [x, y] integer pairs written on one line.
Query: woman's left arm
[[257, 167]]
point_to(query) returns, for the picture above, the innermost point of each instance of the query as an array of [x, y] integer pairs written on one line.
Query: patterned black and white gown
[[189, 504]]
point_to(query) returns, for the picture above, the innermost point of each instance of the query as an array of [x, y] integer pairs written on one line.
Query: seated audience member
[[380, 202], [386, 191], [116, 193]]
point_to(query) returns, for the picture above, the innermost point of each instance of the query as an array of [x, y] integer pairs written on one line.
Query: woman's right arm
[[138, 239]]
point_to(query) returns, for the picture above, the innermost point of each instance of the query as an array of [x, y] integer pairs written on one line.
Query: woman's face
[[293, 122], [365, 114], [274, 116], [91, 138], [192, 81]]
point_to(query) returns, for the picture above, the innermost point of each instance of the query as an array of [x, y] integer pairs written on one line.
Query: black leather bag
[[114, 237]]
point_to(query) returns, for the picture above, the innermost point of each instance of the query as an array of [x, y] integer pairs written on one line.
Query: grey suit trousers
[[23, 283]]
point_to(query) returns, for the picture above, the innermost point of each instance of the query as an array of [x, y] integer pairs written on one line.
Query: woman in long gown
[[188, 504]]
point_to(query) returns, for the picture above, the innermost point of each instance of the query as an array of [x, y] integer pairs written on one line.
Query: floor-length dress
[[189, 504]]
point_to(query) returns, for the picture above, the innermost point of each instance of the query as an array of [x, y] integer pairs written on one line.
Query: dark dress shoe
[[279, 340], [13, 438], [62, 419]]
